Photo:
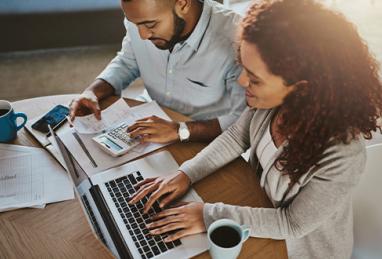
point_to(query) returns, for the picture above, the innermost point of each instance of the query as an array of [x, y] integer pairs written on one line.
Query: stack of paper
[[115, 114], [29, 177], [88, 154]]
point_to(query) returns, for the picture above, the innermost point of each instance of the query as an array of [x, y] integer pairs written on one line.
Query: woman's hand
[[186, 219], [172, 186]]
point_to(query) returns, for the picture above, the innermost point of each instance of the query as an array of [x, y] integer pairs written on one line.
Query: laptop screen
[[76, 172], [79, 177]]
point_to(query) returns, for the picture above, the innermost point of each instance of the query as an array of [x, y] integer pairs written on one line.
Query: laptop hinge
[[110, 223]]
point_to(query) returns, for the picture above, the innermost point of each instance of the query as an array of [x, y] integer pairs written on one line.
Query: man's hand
[[86, 103], [154, 129], [187, 219], [172, 186]]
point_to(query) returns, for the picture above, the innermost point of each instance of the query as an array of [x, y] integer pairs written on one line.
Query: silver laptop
[[120, 226]]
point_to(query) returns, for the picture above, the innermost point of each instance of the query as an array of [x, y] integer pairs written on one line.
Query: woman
[[313, 94]]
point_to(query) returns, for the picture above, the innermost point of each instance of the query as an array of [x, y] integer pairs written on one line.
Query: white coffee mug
[[225, 238]]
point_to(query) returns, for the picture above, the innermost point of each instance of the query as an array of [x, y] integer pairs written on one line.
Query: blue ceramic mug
[[8, 124], [225, 238]]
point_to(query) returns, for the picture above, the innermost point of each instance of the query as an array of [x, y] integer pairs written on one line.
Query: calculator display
[[117, 141], [110, 144]]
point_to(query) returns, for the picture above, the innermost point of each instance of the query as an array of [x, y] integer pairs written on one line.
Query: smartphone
[[55, 118]]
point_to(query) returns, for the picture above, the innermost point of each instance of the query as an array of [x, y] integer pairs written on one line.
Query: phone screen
[[53, 118]]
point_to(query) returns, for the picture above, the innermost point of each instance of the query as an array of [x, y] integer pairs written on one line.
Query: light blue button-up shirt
[[197, 79]]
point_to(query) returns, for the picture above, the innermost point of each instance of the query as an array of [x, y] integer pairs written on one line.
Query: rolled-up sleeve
[[123, 69], [237, 98]]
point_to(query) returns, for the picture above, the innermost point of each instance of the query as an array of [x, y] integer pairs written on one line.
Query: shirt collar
[[196, 36]]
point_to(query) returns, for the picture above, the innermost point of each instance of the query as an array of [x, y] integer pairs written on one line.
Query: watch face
[[184, 134]]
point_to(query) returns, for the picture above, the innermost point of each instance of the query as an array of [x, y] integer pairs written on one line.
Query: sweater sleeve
[[225, 148], [329, 188]]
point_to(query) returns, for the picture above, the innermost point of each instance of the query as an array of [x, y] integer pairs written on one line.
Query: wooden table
[[61, 230]]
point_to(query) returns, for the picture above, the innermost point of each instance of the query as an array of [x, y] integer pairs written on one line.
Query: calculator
[[116, 141]]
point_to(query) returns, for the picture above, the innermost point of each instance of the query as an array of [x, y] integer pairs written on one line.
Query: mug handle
[[20, 115], [245, 229]]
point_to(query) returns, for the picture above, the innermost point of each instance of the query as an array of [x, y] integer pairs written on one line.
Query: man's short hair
[[163, 1]]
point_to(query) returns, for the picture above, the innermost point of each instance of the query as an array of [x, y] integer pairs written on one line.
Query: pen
[[94, 164], [59, 125], [69, 121]]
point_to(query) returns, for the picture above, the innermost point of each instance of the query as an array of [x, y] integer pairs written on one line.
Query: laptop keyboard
[[148, 246]]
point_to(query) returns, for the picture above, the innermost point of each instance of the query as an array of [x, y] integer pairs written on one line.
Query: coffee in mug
[[226, 238], [3, 111]]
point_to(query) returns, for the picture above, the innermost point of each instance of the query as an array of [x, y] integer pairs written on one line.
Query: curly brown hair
[[301, 40]]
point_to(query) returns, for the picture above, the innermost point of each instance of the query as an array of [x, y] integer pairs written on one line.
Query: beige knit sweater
[[314, 216]]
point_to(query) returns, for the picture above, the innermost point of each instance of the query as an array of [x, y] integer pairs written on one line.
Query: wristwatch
[[183, 132]]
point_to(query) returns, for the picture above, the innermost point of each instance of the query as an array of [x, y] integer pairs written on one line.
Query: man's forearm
[[101, 89], [204, 130]]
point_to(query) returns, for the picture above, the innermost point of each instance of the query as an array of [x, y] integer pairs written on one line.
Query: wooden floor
[[58, 71]]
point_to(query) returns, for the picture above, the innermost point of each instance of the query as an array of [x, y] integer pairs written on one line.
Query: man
[[184, 52]]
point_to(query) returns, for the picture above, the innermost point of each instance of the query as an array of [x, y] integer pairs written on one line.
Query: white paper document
[[114, 114], [93, 159], [20, 186], [30, 177]]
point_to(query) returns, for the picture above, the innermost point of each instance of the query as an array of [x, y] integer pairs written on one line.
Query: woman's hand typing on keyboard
[[184, 220], [172, 187]]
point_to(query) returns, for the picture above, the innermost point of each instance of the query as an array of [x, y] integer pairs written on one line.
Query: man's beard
[[179, 25]]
